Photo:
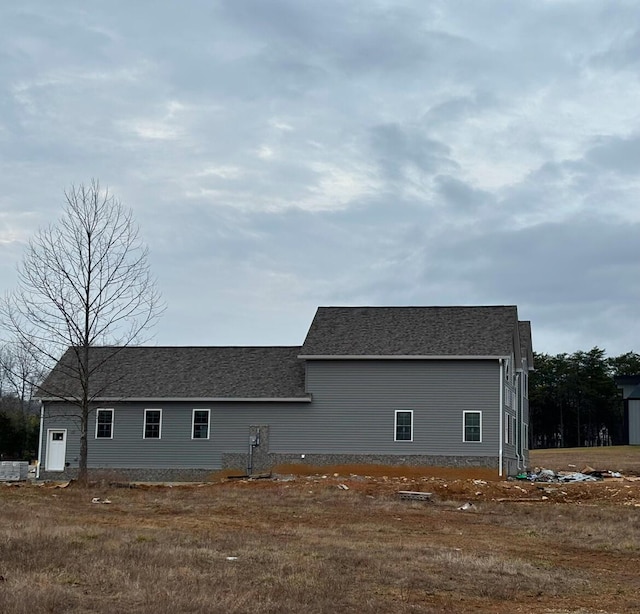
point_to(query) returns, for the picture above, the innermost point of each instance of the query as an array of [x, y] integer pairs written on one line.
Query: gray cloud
[[619, 155], [403, 149], [283, 155]]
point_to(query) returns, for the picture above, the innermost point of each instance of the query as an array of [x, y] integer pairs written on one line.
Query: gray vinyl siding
[[354, 403], [229, 431], [352, 412], [510, 412], [634, 422]]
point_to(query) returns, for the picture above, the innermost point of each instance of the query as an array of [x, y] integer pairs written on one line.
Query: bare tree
[[21, 374], [83, 282], [5, 360], [22, 371]]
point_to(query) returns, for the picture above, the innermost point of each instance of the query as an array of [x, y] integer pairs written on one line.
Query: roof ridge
[[190, 347], [510, 305]]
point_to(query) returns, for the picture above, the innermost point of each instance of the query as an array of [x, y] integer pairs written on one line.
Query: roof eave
[[305, 399], [399, 357]]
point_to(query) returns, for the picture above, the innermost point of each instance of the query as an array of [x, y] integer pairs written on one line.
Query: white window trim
[[112, 420], [193, 423], [508, 396], [507, 422], [395, 425], [144, 424], [464, 424]]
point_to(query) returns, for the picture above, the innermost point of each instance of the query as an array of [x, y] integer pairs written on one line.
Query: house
[[388, 385], [629, 386]]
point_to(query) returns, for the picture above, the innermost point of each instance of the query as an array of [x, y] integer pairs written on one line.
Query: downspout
[[518, 430], [501, 411], [40, 440], [250, 457]]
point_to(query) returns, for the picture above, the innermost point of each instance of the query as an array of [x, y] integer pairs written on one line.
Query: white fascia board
[[394, 357], [188, 399]]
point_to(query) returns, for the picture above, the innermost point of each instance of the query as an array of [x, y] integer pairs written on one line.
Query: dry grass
[[625, 459], [306, 545]]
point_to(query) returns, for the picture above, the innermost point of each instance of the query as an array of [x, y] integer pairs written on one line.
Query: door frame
[[48, 461]]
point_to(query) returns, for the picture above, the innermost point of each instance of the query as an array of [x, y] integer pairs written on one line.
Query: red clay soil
[[391, 471], [446, 483]]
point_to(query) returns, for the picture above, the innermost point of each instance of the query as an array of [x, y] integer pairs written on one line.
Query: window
[[404, 425], [200, 429], [507, 396], [507, 369], [104, 424], [506, 427], [152, 423], [472, 426]]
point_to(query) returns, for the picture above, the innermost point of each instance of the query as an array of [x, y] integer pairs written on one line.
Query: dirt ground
[[478, 484], [462, 485], [331, 539]]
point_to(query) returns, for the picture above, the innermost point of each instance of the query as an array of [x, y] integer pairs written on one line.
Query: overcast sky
[[285, 154]]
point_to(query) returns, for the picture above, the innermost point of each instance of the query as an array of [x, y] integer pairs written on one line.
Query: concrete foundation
[[262, 462]]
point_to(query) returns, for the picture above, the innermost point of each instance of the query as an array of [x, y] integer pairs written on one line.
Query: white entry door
[[56, 449]]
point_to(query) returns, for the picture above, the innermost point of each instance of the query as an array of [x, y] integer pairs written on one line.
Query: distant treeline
[[19, 419], [19, 430], [574, 400]]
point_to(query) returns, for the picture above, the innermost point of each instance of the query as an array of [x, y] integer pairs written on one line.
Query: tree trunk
[[83, 474]]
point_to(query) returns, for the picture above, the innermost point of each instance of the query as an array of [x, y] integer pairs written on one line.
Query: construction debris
[[58, 484], [14, 471], [522, 500], [547, 475], [467, 506], [415, 495]]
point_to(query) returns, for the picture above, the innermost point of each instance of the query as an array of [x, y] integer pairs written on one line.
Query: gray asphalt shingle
[[278, 372], [187, 372], [412, 331], [524, 327]]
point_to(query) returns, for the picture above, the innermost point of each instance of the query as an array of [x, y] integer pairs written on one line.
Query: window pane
[[200, 424], [105, 423], [403, 426], [152, 425], [472, 426]]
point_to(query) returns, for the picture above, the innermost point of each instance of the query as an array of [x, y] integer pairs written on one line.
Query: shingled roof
[[278, 373], [411, 331], [524, 328], [184, 372]]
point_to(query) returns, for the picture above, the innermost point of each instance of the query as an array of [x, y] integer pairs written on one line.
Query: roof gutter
[[306, 399], [518, 430], [396, 357]]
